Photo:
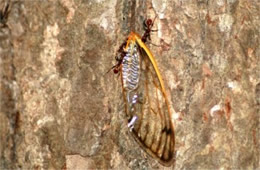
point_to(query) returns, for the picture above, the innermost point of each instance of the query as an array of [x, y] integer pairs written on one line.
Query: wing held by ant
[[147, 24], [146, 104]]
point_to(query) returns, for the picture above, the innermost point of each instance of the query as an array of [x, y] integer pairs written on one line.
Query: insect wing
[[147, 109]]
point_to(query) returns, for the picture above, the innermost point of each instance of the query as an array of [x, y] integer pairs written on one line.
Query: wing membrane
[[147, 106]]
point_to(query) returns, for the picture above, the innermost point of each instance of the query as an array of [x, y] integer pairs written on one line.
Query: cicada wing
[[147, 108]]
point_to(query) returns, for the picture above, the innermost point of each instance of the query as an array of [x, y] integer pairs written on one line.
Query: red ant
[[148, 24], [119, 58]]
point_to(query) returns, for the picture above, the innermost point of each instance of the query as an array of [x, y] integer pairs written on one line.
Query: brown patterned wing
[[147, 109]]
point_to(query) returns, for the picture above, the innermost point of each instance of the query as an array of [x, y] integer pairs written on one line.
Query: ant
[[119, 58], [147, 24]]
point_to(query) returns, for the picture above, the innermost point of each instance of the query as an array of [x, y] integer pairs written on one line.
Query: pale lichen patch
[[225, 22]]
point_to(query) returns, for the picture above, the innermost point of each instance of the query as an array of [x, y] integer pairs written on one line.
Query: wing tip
[[169, 162]]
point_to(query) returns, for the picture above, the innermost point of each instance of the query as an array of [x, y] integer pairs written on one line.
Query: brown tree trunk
[[60, 110]]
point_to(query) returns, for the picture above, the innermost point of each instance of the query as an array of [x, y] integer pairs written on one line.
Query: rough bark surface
[[59, 110]]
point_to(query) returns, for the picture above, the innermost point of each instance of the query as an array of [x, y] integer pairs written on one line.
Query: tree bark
[[60, 110]]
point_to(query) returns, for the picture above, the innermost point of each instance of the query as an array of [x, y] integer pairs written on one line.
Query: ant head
[[149, 22], [115, 70]]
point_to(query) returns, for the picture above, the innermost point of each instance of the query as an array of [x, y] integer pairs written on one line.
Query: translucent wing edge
[[135, 37]]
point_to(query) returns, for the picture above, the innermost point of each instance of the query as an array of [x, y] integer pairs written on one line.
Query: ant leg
[[155, 18], [110, 69]]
